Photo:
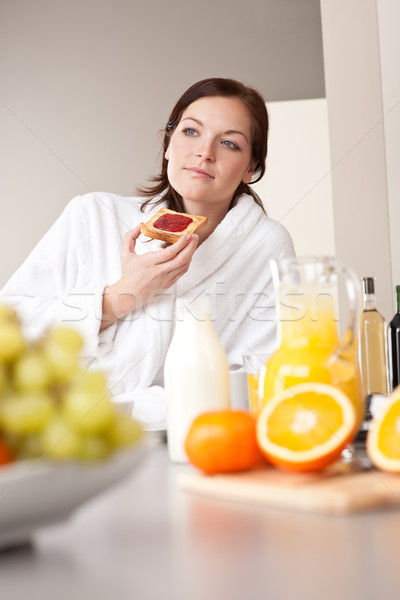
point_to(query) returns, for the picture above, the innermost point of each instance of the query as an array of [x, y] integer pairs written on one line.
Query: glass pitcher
[[309, 346]]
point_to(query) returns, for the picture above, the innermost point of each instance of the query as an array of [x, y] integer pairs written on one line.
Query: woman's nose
[[206, 150]]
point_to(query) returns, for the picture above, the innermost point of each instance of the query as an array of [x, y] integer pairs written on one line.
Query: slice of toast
[[169, 225]]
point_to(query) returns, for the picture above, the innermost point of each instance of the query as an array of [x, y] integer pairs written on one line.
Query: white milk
[[196, 373]]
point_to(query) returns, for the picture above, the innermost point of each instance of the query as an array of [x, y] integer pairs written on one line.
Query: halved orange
[[306, 427], [383, 440]]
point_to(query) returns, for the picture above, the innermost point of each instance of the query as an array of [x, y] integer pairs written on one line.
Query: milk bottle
[[196, 373]]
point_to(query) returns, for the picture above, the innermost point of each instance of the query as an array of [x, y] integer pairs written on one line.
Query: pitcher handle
[[353, 288]]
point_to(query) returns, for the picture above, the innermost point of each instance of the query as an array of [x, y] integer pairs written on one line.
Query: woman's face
[[209, 153]]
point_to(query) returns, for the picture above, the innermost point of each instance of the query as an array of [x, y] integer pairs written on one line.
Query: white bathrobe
[[63, 279]]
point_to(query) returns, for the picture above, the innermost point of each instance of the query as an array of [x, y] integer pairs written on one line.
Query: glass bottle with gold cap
[[372, 344]]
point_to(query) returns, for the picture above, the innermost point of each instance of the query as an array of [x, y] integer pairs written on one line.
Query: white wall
[[297, 188], [388, 13], [362, 76]]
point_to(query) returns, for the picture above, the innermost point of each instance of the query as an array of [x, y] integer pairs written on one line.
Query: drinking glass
[[255, 367]]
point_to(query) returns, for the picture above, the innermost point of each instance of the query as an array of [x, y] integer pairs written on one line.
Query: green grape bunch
[[52, 406]]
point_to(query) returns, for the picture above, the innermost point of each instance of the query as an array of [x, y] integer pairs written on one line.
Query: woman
[[215, 145]]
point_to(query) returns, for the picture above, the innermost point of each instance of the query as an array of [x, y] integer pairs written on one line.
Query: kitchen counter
[[147, 539]]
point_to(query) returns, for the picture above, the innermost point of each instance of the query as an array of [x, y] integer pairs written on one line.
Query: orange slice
[[383, 441], [306, 427]]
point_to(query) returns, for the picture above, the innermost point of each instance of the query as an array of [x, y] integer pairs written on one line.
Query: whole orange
[[223, 442], [6, 454]]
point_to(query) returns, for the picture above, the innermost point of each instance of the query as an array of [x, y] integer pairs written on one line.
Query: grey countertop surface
[[147, 539]]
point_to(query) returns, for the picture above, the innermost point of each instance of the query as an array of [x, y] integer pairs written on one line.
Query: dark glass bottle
[[394, 344]]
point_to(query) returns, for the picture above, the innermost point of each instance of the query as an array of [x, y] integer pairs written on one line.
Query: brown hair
[[257, 110]]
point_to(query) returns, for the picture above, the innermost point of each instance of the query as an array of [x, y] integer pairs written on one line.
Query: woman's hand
[[145, 276]]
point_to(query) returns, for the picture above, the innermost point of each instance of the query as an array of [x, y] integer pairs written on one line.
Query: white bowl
[[37, 492]]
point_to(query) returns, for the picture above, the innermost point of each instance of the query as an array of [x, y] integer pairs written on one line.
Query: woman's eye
[[189, 131], [230, 144]]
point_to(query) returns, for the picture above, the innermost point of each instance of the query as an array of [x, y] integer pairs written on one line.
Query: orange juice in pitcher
[[309, 345]]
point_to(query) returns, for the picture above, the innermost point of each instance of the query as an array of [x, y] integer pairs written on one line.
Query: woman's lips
[[199, 173]]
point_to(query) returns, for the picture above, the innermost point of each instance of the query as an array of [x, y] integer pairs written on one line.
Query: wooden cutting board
[[339, 490]]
